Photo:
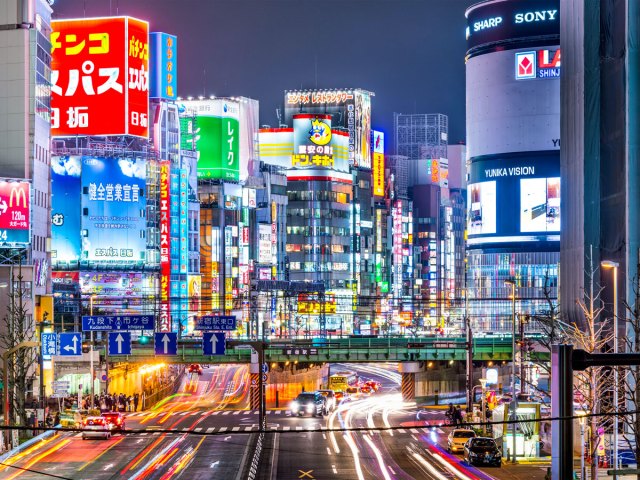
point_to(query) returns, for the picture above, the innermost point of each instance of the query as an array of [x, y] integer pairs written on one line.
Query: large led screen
[[514, 199], [540, 204], [113, 210], [482, 208], [65, 211]]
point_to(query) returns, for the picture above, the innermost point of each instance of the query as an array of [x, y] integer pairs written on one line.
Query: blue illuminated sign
[[163, 55], [65, 216], [225, 323], [48, 345], [118, 322]]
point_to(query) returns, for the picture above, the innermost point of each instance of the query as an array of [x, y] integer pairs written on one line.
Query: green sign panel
[[218, 147], [384, 287]]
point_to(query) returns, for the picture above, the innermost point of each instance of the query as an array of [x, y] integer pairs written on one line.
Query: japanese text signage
[[48, 345], [378, 163], [216, 323], [165, 248], [164, 66], [117, 322], [100, 77], [15, 218]]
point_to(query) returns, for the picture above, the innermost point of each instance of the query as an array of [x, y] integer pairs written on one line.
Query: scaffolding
[[421, 135]]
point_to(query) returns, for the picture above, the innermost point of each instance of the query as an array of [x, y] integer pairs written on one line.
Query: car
[[482, 450], [375, 386], [116, 420], [365, 388], [309, 402], [195, 368], [96, 427], [457, 439], [329, 399]]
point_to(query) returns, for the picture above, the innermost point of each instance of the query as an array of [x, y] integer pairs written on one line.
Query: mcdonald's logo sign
[[15, 217], [18, 194]]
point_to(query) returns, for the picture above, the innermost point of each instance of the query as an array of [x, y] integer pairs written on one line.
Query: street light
[[581, 419], [91, 353], [512, 284], [483, 384], [606, 264]]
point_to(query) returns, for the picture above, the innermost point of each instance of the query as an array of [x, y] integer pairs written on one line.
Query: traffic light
[[143, 339]]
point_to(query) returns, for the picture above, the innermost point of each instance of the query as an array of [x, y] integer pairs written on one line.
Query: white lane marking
[[227, 412], [217, 412], [223, 429], [299, 428], [414, 430], [391, 470], [210, 429], [235, 429], [214, 464], [286, 428], [256, 412], [107, 466], [185, 429], [184, 413], [324, 436], [199, 429], [144, 433], [328, 451], [237, 412], [248, 429], [278, 412], [335, 470], [401, 430]]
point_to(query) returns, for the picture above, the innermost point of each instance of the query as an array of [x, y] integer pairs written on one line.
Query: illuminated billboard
[[312, 141], [164, 324], [349, 109], [540, 204], [514, 200], [100, 77], [15, 211], [65, 211], [276, 146], [264, 243], [217, 137], [164, 66], [378, 163], [119, 292], [113, 210]]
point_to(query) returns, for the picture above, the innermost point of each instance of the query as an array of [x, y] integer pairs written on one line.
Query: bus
[[341, 381]]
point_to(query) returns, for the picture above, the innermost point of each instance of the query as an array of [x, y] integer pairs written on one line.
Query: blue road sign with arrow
[[213, 343], [119, 343], [166, 343], [70, 344]]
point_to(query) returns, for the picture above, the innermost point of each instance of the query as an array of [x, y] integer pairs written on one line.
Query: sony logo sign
[[536, 16]]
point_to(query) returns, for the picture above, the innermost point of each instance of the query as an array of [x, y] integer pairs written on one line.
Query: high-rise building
[[513, 148], [599, 157]]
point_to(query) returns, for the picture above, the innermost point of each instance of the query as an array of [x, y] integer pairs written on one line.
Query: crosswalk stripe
[[414, 430], [401, 430], [256, 412], [199, 429], [273, 427], [217, 412], [156, 433], [286, 428], [299, 428], [185, 429], [184, 413], [198, 413], [269, 412], [278, 412], [235, 429], [237, 412], [210, 429], [248, 429], [227, 412], [223, 429]]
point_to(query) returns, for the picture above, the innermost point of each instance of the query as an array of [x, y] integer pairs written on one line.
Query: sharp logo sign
[[538, 64]]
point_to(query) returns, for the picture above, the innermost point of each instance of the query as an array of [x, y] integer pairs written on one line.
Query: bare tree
[[18, 328], [593, 384], [630, 376]]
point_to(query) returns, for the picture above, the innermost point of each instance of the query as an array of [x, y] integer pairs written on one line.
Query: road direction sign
[[70, 344], [118, 322], [265, 368], [166, 343], [49, 342], [213, 343], [264, 378], [209, 322], [61, 383], [119, 343]]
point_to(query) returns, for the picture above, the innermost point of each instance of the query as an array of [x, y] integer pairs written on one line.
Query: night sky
[[409, 52]]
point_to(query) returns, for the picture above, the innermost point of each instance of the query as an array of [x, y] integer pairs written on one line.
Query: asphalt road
[[215, 404]]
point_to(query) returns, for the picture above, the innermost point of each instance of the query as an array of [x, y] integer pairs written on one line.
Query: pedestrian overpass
[[342, 350]]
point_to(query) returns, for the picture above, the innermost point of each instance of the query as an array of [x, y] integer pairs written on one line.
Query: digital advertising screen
[[100, 65], [113, 210], [514, 199], [65, 211], [481, 199], [122, 292], [378, 163]]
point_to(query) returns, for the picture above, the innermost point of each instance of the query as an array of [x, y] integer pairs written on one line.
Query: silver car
[[329, 400], [96, 427]]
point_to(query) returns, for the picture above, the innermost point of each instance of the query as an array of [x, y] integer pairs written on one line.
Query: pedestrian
[[136, 400], [56, 420], [457, 416], [77, 419]]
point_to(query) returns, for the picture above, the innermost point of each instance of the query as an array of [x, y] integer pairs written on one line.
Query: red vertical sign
[[165, 248]]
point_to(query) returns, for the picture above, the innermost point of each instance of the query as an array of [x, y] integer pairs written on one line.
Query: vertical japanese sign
[[183, 215], [165, 249], [15, 205], [65, 211], [378, 163], [164, 66], [99, 77]]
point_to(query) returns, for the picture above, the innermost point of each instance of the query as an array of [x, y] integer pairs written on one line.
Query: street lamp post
[[609, 264], [513, 404], [91, 353]]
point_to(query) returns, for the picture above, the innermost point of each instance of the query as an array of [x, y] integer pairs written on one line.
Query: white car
[[329, 398], [457, 439], [96, 427]]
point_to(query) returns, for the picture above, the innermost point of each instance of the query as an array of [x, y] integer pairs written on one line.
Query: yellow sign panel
[[378, 174]]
